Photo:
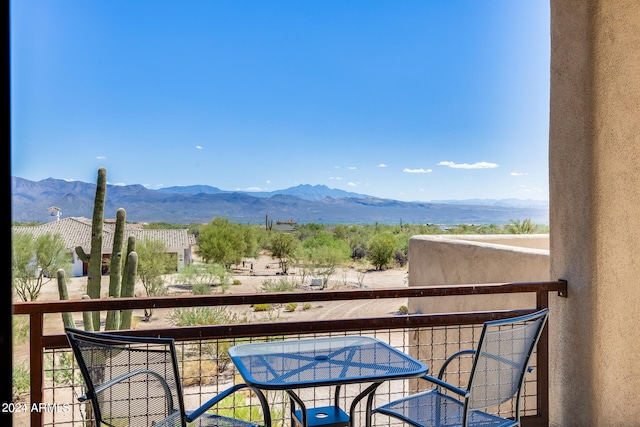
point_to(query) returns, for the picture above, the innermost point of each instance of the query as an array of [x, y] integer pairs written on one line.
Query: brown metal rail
[[39, 342]]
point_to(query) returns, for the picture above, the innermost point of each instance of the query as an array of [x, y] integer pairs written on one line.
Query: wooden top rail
[[68, 306]]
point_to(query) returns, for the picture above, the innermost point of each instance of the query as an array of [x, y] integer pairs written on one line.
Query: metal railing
[[417, 334]]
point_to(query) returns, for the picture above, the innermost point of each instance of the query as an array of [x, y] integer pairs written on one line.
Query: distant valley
[[303, 204]]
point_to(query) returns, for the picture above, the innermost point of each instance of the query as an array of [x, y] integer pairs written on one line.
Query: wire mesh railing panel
[[206, 369], [63, 385]]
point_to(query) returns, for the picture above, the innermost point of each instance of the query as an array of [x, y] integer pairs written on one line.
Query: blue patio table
[[335, 361]]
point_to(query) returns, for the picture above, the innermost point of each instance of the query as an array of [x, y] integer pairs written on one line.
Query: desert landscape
[[251, 276]]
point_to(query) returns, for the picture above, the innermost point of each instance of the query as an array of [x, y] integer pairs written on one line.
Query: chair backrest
[[130, 381], [502, 359]]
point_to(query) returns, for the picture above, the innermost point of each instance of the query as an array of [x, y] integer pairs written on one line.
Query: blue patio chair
[[134, 381], [497, 375]]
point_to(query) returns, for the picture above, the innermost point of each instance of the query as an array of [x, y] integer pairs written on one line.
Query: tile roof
[[76, 231]]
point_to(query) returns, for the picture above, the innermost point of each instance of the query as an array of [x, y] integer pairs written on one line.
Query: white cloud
[[352, 167], [477, 165], [199, 147], [382, 165], [253, 189], [101, 157], [421, 170], [517, 174], [352, 184], [119, 184]]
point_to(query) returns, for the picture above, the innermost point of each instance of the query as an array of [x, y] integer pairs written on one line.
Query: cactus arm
[[82, 254], [67, 318], [127, 291], [113, 316]]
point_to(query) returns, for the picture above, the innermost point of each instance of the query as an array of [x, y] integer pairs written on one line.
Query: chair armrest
[[193, 415], [452, 358], [438, 382]]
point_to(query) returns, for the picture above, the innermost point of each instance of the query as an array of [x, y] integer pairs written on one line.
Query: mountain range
[[30, 201]]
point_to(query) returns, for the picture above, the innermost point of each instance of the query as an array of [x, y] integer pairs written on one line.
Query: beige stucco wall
[[594, 170], [459, 259]]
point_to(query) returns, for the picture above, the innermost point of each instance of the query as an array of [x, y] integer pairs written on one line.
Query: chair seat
[[431, 409]]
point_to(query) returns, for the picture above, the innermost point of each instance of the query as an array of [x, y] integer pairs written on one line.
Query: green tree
[[226, 243], [153, 263], [381, 248], [283, 247], [324, 253], [35, 261]]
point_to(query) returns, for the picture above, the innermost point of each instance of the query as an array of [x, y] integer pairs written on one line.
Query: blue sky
[[409, 100]]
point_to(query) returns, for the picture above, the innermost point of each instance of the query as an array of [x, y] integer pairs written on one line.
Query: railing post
[[542, 383], [36, 330]]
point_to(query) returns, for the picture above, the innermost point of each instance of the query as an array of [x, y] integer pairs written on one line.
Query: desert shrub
[[201, 288], [262, 307], [403, 309], [20, 330], [400, 258], [202, 276], [290, 306], [236, 282], [21, 380], [306, 306], [358, 253], [282, 285], [203, 316]]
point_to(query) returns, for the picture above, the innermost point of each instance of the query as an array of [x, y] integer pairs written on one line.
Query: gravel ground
[[251, 276]]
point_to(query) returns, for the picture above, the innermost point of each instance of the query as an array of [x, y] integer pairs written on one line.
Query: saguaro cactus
[[119, 284], [67, 319], [94, 259]]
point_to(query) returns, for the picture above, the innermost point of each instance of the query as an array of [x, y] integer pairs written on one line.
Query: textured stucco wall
[[594, 171], [448, 260]]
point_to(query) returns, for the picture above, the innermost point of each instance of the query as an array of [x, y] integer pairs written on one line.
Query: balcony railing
[[205, 367]]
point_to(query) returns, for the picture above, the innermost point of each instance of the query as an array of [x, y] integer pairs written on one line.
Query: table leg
[[368, 393]]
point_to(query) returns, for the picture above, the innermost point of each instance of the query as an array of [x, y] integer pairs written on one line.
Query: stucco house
[[76, 231]]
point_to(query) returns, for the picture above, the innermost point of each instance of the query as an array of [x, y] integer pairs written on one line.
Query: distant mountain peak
[[303, 191], [304, 203]]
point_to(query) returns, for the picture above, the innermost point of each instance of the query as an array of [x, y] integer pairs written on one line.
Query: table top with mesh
[[283, 365]]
